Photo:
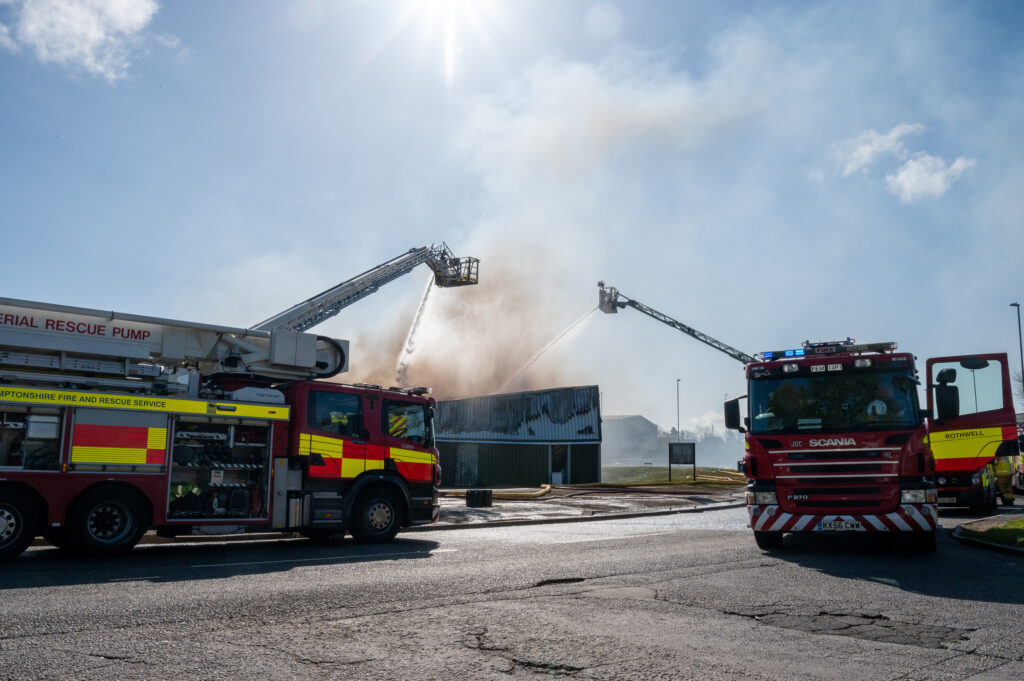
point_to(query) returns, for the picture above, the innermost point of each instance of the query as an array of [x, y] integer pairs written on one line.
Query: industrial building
[[521, 439]]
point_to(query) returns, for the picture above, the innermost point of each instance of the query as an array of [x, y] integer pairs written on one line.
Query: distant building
[[631, 441], [521, 439]]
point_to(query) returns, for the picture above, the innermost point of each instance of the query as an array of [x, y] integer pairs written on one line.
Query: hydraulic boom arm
[[611, 300], [448, 271]]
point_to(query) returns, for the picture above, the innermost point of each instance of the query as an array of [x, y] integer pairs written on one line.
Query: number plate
[[947, 500], [839, 525]]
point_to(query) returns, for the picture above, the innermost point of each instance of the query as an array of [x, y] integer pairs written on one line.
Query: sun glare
[[444, 21]]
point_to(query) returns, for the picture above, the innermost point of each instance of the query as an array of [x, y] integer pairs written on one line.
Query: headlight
[[762, 498], [862, 363], [942, 481], [976, 479], [917, 496], [790, 368]]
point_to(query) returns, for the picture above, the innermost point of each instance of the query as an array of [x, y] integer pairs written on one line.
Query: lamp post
[[1020, 342]]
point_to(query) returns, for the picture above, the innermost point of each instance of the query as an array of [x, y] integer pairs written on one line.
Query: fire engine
[[112, 424], [836, 440]]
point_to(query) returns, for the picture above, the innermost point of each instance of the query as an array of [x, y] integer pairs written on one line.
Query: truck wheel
[[768, 540], [106, 521], [17, 523], [376, 516]]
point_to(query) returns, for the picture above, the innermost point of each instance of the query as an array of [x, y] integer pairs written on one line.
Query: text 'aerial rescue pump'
[[112, 424], [836, 440]]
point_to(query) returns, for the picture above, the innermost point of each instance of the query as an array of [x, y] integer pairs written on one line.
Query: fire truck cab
[[836, 440]]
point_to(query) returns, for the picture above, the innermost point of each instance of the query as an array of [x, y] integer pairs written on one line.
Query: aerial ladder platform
[[449, 271], [611, 301], [60, 345]]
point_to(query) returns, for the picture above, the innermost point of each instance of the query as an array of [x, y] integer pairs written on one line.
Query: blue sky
[[764, 172]]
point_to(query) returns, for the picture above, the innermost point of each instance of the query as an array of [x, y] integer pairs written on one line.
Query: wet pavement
[[572, 503]]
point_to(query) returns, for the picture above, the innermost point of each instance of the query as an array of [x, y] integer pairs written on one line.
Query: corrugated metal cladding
[[556, 415], [521, 439]]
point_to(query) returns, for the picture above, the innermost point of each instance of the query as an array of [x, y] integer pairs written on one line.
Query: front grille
[[844, 491], [832, 480], [834, 468], [835, 503], [824, 456]]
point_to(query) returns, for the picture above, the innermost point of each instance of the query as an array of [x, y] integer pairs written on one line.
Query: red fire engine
[[836, 440], [112, 424]]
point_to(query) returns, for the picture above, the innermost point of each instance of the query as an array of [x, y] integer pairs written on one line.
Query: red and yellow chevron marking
[[332, 449], [119, 445], [398, 426], [413, 465], [968, 449], [909, 518]]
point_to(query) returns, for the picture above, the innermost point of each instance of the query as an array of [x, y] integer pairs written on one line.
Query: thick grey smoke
[[554, 152]]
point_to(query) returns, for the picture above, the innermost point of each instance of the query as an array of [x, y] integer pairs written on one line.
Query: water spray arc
[[401, 371], [547, 347]]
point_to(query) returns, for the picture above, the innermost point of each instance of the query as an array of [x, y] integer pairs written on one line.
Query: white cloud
[[95, 36], [603, 21], [5, 38], [859, 153], [926, 176]]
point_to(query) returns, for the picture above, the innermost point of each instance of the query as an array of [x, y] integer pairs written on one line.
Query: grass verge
[[1009, 534]]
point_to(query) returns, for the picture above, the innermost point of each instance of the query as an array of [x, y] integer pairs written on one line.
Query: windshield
[[409, 421], [833, 403]]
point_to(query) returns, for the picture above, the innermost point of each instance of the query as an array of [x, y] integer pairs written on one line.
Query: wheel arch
[[114, 486]]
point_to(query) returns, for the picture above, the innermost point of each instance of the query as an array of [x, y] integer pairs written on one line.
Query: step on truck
[[113, 424], [836, 440]]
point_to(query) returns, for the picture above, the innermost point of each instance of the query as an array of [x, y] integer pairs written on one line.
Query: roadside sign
[[682, 453]]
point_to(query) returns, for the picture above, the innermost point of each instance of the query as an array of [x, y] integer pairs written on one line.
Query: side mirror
[[947, 400], [973, 363], [732, 415], [946, 376]]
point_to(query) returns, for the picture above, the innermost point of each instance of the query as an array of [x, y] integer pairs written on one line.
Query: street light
[[1020, 343]]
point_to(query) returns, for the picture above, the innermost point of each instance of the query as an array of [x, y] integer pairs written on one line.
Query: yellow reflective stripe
[[350, 468], [304, 444], [410, 456], [157, 438], [966, 444], [73, 398], [374, 464], [107, 455], [327, 446]]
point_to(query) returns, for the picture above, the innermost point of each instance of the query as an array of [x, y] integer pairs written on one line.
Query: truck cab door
[[971, 416], [334, 435]]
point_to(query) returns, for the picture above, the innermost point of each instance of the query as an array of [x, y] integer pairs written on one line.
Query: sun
[[443, 25]]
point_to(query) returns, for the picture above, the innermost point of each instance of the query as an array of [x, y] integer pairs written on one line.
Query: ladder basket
[[458, 272]]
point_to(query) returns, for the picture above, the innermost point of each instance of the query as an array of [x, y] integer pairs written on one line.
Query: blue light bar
[[767, 355]]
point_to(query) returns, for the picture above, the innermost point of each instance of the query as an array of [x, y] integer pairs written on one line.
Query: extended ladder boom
[[611, 300], [448, 271]]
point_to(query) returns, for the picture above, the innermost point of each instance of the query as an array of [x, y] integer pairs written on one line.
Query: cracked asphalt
[[686, 596]]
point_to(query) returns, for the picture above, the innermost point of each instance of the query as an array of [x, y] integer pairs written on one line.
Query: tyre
[[376, 516], [18, 522], [768, 540], [105, 521], [1007, 501]]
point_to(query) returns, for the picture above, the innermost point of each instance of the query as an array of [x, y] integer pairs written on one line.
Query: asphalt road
[[684, 596]]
